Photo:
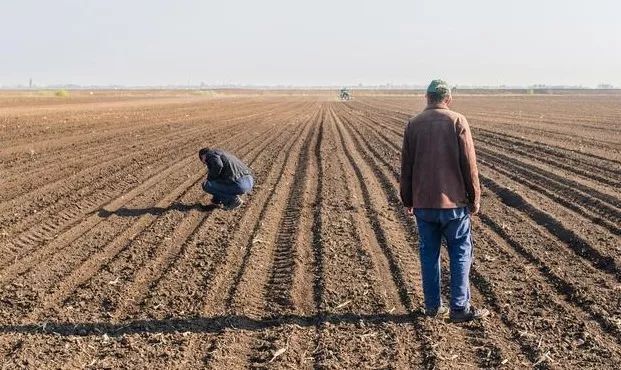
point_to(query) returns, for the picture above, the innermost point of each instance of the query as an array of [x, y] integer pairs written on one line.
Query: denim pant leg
[[459, 241], [223, 191], [430, 235], [245, 184]]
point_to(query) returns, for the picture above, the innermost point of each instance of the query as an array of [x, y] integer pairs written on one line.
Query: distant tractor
[[344, 94]]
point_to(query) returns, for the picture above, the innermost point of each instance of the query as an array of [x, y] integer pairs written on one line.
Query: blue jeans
[[454, 226], [227, 191]]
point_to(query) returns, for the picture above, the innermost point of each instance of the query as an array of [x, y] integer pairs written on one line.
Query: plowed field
[[111, 256]]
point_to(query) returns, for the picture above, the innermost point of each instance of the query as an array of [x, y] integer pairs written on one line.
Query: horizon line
[[298, 87]]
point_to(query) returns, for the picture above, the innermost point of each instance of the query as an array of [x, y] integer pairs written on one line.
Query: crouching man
[[227, 178]]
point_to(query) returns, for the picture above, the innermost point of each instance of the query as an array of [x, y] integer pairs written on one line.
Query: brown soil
[[112, 256]]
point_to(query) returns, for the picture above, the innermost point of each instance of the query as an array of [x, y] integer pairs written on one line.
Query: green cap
[[438, 86]]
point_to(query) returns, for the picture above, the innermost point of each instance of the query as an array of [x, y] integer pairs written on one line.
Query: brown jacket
[[438, 163]]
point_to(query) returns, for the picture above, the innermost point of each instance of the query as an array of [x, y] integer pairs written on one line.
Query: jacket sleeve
[[407, 163], [215, 166], [468, 161]]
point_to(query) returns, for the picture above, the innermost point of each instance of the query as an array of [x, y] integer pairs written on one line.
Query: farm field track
[[113, 257]]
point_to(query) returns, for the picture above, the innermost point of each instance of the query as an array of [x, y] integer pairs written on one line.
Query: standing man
[[227, 178], [440, 186]]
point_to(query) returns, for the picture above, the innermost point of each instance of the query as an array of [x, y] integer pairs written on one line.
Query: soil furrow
[[288, 292], [318, 249], [66, 138], [145, 126], [279, 290], [601, 255], [343, 257], [605, 205], [608, 173], [67, 237], [531, 307], [583, 205]]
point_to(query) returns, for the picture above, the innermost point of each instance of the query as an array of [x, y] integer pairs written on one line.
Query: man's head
[[438, 92], [202, 154]]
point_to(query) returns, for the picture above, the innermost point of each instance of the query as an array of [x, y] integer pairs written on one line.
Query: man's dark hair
[[202, 152], [437, 97]]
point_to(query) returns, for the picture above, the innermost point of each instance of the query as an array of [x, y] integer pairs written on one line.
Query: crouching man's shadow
[[156, 211]]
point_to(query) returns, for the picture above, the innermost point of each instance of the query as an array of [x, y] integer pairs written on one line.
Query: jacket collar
[[437, 106]]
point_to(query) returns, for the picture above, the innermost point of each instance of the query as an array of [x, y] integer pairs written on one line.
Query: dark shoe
[[216, 201], [440, 311], [469, 315], [235, 203]]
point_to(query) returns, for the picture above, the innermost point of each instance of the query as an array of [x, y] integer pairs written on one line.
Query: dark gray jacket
[[224, 166]]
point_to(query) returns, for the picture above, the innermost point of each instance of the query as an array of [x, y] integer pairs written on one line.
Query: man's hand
[[474, 208], [409, 211]]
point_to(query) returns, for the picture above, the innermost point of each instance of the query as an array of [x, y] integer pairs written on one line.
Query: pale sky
[[319, 42]]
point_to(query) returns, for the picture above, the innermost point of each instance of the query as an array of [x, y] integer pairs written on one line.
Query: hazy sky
[[317, 42]]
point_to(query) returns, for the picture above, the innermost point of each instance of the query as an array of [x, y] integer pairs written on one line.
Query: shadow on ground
[[202, 324], [157, 211]]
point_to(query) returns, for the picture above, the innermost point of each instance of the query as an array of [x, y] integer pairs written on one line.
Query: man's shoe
[[216, 201], [440, 311], [469, 315], [235, 203]]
